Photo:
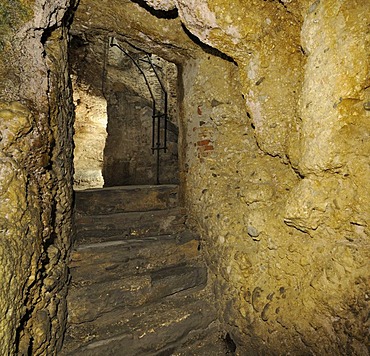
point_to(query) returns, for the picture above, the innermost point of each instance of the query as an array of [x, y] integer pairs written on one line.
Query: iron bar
[[165, 103], [156, 117], [153, 128], [165, 121], [158, 144], [112, 44]]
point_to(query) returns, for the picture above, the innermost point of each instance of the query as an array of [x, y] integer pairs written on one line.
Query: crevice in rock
[[208, 49], [161, 14], [230, 344]]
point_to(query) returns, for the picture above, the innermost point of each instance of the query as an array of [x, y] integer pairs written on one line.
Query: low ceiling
[[154, 31]]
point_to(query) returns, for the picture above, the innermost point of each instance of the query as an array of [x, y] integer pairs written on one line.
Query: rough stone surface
[[274, 135], [127, 198], [35, 192], [94, 228], [89, 137], [313, 231], [146, 295]]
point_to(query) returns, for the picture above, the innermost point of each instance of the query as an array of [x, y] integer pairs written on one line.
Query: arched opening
[[141, 146], [126, 125]]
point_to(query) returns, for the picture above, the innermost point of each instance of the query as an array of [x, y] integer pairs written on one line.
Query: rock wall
[[35, 164], [273, 158], [280, 193], [89, 137]]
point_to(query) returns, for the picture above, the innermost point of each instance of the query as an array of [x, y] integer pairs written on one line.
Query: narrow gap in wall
[[230, 344]]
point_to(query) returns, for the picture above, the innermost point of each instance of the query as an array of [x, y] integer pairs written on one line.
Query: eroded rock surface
[[289, 250], [35, 193], [274, 158]]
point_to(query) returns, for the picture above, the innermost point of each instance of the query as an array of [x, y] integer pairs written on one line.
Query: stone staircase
[[139, 286]]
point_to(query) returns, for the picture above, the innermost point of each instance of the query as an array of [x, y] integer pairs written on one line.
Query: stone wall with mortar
[[35, 164]]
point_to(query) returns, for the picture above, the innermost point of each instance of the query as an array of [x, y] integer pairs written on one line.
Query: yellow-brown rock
[[289, 251], [35, 166], [274, 162]]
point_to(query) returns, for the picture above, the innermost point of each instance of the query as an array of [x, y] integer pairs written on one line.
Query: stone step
[[123, 199], [208, 342], [113, 259], [120, 226], [88, 302], [138, 283], [153, 329]]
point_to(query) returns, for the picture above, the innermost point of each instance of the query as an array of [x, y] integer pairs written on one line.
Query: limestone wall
[[89, 137], [35, 165], [281, 197]]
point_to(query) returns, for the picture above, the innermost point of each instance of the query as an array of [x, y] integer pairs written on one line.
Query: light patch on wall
[[201, 24], [233, 31], [89, 138]]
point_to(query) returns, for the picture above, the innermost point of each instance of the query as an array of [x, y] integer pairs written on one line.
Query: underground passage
[[184, 177]]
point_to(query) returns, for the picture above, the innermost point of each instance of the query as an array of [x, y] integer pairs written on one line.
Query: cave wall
[[35, 189], [274, 160], [90, 133], [281, 197]]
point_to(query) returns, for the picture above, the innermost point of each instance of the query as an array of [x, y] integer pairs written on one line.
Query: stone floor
[[139, 285]]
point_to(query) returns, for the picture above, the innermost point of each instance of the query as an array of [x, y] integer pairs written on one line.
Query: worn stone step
[[149, 330], [114, 200], [99, 228], [207, 342], [113, 259], [87, 302]]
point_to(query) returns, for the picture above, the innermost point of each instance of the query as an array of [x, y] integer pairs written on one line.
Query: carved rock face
[[274, 137], [305, 90], [35, 194]]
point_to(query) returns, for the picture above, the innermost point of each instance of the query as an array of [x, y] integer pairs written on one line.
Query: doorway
[[126, 126]]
